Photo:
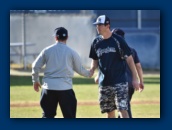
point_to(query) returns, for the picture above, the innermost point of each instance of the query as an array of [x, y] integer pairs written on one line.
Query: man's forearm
[[94, 64], [132, 67], [35, 77], [140, 72]]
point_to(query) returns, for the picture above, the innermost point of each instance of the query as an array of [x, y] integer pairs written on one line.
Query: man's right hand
[[36, 86], [91, 72], [96, 79]]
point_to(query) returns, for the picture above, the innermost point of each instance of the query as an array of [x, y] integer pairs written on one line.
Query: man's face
[[101, 28]]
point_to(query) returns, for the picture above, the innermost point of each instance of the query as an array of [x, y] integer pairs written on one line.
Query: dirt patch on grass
[[17, 70]]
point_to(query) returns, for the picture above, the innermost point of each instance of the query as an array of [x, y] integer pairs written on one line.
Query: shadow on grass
[[27, 80], [151, 80]]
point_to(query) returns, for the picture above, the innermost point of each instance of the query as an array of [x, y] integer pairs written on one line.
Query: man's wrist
[[35, 82], [93, 69]]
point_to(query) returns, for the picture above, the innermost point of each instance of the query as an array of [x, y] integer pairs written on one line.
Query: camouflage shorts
[[113, 97]]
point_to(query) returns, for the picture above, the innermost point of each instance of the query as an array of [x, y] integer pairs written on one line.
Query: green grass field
[[24, 101]]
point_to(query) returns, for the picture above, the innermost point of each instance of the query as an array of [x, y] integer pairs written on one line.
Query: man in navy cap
[[131, 90], [60, 63], [111, 61]]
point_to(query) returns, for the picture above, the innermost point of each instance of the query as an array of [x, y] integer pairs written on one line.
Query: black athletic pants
[[130, 94], [65, 98]]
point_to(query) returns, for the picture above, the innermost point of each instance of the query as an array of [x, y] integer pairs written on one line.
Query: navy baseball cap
[[102, 19], [61, 32]]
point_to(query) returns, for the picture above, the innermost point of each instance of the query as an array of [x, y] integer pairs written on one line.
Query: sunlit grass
[[21, 91]]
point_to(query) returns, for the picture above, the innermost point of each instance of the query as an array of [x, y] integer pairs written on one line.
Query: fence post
[[24, 40], [139, 19]]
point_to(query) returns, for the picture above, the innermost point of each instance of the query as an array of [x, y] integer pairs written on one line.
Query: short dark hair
[[61, 33], [119, 32]]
